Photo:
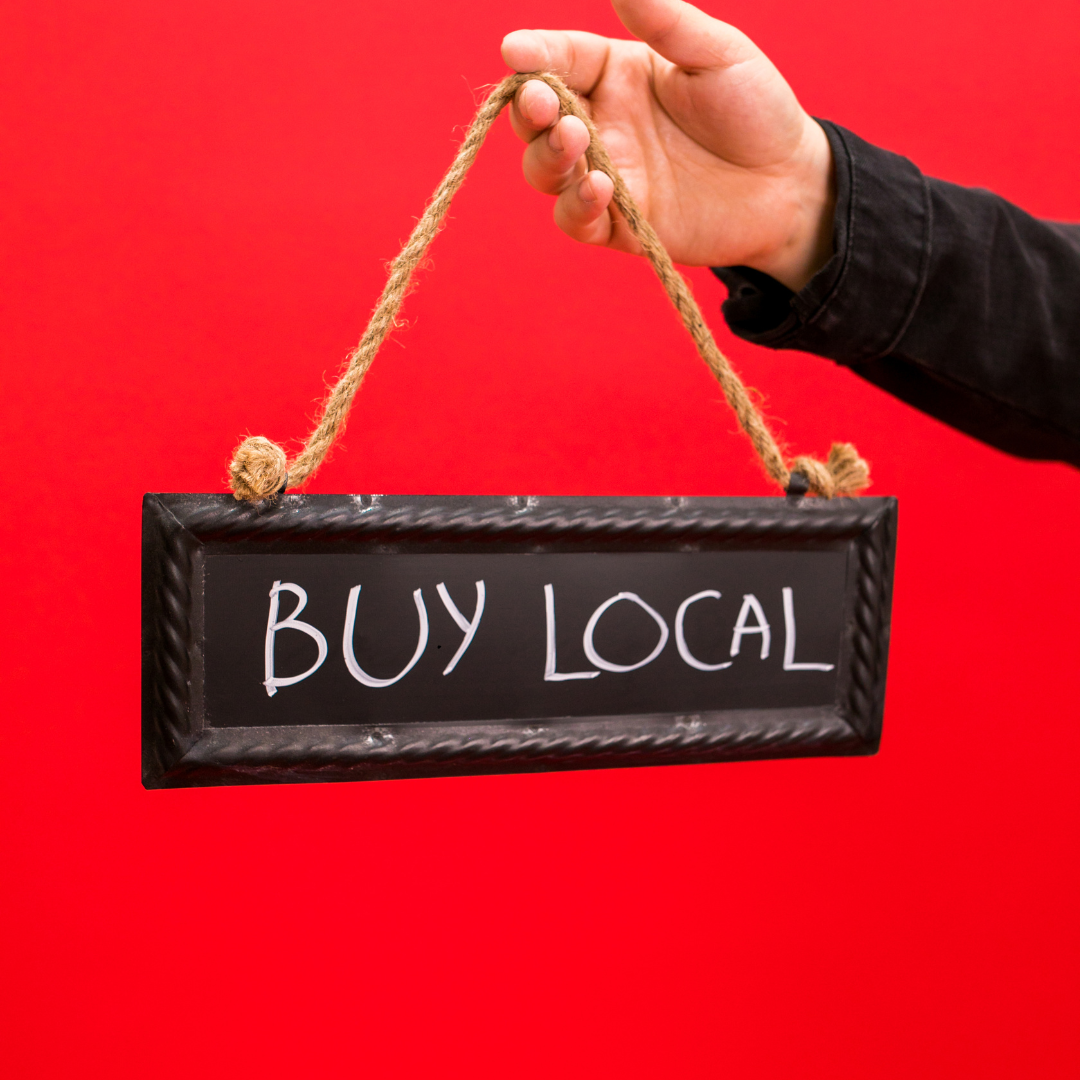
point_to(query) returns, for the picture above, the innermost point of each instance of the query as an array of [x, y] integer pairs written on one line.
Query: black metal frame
[[180, 750]]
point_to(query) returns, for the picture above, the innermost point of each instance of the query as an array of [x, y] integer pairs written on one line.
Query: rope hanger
[[260, 470]]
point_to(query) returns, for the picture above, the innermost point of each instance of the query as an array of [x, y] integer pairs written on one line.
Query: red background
[[198, 201]]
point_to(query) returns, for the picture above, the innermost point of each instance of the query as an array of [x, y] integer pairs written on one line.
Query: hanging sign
[[327, 638]]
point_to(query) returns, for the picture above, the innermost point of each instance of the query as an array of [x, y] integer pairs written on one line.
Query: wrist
[[808, 245]]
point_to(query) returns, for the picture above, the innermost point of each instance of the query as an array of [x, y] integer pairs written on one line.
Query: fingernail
[[555, 140], [586, 190]]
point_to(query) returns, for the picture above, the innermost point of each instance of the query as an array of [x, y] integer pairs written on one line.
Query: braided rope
[[261, 470]]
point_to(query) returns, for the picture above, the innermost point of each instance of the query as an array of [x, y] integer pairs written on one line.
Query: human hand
[[710, 139]]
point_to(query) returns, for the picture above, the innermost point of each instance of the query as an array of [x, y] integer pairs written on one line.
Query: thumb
[[684, 35]]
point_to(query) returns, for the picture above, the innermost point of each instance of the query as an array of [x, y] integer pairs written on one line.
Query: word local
[[743, 627]]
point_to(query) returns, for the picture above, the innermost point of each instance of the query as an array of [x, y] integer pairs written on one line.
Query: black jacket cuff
[[950, 298], [877, 194]]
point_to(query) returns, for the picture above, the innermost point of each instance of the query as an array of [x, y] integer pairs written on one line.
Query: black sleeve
[[950, 298]]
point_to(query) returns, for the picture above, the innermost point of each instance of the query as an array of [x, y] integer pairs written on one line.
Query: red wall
[[198, 200]]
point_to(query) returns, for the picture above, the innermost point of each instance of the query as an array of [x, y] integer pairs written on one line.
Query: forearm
[[950, 298]]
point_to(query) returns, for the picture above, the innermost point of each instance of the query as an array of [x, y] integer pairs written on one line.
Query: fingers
[[684, 35], [534, 109], [553, 161], [581, 211], [578, 58], [525, 50]]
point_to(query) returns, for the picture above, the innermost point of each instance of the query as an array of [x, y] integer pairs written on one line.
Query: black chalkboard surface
[[329, 637]]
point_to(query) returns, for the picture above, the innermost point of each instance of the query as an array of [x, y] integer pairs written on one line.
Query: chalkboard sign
[[330, 637]]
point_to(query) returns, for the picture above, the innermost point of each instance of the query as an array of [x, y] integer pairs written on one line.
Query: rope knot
[[259, 470], [844, 473]]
